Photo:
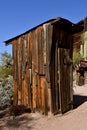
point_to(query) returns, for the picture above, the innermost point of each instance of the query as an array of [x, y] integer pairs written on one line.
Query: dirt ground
[[75, 119]]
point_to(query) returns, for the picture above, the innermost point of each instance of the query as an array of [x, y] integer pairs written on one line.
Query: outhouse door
[[63, 79]]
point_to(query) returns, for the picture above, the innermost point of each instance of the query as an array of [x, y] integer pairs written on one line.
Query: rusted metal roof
[[52, 21]]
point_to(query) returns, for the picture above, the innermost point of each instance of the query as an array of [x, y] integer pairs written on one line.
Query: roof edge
[[7, 42]]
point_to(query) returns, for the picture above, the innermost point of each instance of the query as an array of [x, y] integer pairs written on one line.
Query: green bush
[[76, 57], [6, 92], [76, 60], [5, 72], [6, 63]]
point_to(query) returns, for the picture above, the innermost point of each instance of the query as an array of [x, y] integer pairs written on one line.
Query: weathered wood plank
[[64, 82], [48, 49], [34, 95], [22, 44], [19, 81], [15, 59], [29, 51], [26, 91], [15, 96], [44, 96], [39, 98], [20, 64], [36, 50], [56, 77], [30, 88], [15, 102], [40, 52], [52, 79], [44, 45]]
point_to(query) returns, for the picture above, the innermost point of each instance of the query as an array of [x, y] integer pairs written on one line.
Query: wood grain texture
[[42, 81]]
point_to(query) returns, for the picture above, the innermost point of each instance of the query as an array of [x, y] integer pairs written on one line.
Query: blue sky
[[18, 16]]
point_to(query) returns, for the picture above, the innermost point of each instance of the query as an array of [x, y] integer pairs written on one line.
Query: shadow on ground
[[78, 100], [2, 114], [25, 120], [16, 123]]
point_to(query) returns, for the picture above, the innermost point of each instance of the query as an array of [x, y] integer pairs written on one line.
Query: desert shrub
[[5, 71], [6, 92], [6, 63], [76, 57]]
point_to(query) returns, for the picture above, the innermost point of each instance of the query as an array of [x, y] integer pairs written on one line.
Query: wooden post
[[33, 93], [15, 96]]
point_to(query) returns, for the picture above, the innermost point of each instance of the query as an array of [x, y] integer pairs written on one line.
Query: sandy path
[[73, 120]]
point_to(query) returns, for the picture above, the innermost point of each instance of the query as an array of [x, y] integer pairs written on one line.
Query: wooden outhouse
[[80, 45], [80, 38], [42, 67]]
